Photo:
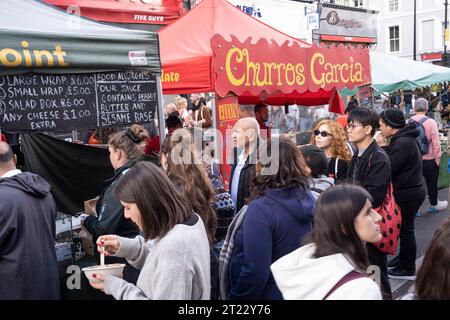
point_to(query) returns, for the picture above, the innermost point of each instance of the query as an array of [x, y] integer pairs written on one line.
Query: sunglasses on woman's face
[[322, 133]]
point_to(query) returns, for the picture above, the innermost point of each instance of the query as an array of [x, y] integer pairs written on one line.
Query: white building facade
[[396, 28], [350, 3]]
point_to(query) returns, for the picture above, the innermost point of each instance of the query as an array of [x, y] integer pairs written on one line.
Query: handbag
[[222, 201], [390, 224]]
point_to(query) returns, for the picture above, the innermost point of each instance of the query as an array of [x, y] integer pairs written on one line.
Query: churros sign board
[[266, 66]]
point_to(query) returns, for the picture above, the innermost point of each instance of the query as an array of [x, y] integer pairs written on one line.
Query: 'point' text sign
[[33, 103]]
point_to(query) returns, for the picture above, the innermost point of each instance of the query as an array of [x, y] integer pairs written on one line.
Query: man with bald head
[[28, 265], [245, 139]]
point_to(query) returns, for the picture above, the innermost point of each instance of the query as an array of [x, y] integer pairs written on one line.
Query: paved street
[[425, 227]]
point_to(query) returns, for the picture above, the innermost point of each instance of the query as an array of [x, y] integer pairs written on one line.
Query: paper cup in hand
[[89, 206]]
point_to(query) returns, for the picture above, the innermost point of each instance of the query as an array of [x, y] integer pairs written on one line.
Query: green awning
[[390, 73], [36, 37]]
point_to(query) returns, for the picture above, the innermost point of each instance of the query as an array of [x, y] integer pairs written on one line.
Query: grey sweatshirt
[[176, 267]]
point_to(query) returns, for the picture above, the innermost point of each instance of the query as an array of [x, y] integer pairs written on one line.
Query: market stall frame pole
[[217, 155], [161, 120], [415, 36]]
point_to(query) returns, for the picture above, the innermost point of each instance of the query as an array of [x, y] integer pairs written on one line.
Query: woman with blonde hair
[[182, 110], [329, 136]]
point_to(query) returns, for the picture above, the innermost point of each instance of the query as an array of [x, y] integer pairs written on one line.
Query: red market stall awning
[[160, 12], [185, 45], [194, 54]]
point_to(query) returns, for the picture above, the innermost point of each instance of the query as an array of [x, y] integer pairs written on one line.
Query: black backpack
[[422, 140]]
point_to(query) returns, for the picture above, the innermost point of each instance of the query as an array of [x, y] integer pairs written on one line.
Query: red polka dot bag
[[390, 224]]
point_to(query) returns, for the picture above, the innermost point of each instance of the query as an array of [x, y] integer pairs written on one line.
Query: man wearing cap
[[432, 159], [408, 183]]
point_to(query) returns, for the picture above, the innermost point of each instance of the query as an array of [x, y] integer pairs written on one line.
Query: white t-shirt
[[11, 173]]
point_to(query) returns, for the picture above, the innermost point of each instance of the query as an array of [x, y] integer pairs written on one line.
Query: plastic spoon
[[102, 257]]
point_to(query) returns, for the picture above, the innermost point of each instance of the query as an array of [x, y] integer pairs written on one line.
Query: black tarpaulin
[[76, 172]]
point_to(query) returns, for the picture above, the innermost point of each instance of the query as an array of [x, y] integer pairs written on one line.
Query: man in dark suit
[[245, 139]]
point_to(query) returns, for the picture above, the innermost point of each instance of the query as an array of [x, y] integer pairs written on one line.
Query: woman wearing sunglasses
[[330, 137]]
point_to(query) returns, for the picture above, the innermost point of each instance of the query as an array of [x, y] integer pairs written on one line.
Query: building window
[[393, 5], [428, 35], [394, 39]]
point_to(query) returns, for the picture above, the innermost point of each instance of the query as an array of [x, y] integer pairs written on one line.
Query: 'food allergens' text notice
[[74, 101]]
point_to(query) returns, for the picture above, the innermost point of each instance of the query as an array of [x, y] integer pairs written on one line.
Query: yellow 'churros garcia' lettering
[[261, 74], [335, 73], [241, 70]]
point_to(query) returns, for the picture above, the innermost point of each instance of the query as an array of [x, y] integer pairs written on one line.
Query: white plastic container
[[115, 270]]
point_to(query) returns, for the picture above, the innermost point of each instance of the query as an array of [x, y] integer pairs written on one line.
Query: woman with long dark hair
[[278, 217], [334, 265], [188, 175], [175, 263], [433, 277], [191, 180]]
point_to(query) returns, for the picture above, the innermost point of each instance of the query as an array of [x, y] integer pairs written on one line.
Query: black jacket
[[111, 219], [372, 171], [406, 165], [342, 170], [28, 265], [245, 181]]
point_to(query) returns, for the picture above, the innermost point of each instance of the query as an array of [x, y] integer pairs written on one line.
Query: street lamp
[[415, 40], [445, 58], [445, 27]]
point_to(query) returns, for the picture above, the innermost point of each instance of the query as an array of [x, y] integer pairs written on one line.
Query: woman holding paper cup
[[175, 264]]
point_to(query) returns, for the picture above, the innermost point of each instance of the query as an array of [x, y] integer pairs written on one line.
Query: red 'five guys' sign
[[266, 66]]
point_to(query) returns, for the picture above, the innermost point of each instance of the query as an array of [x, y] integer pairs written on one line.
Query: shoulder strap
[[326, 181], [336, 162], [352, 275], [317, 190], [421, 121]]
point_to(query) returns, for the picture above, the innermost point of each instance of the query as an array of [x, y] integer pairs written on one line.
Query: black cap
[[394, 118]]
